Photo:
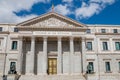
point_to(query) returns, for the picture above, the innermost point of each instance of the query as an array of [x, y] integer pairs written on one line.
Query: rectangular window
[[0, 28], [15, 29], [0, 43], [107, 65], [103, 31], [88, 31], [115, 31], [117, 45], [105, 46], [91, 66], [89, 45], [14, 45], [119, 65]]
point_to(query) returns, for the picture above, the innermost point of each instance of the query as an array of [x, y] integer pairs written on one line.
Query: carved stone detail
[[53, 22]]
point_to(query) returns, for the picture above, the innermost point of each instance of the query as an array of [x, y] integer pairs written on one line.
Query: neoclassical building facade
[[54, 47]]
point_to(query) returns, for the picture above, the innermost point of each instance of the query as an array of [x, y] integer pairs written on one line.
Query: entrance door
[[52, 66]]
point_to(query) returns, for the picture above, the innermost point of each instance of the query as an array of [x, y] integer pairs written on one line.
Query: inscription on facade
[[58, 33], [52, 33]]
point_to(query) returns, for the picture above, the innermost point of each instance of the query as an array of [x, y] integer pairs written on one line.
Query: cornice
[[107, 33], [51, 14], [37, 28], [102, 25], [4, 32], [8, 24]]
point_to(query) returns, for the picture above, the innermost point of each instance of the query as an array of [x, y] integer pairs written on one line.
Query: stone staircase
[[51, 77]]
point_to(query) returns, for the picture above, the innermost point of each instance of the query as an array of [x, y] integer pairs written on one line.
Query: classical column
[[30, 58], [84, 66], [20, 56], [71, 55], [59, 63], [45, 55]]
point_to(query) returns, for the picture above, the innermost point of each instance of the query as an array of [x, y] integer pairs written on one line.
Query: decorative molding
[[90, 59], [106, 59]]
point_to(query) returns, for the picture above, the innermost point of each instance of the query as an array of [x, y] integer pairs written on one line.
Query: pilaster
[[84, 66], [20, 56], [30, 58], [111, 44]]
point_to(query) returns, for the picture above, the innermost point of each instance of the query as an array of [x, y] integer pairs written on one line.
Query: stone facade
[[54, 47]]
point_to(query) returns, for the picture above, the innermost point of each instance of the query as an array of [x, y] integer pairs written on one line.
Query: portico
[[37, 51]]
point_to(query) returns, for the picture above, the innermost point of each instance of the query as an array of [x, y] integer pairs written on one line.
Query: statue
[[12, 68], [89, 69]]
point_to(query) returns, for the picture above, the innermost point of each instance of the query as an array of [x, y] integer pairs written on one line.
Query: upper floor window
[[89, 46], [117, 45], [88, 31], [115, 31], [15, 29], [103, 30], [105, 46], [107, 65], [1, 28], [14, 45], [90, 67]]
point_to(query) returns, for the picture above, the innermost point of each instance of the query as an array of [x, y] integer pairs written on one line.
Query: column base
[[19, 74], [30, 74], [59, 74], [84, 73], [42, 74]]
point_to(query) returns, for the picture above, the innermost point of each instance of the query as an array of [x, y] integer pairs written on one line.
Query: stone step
[[51, 77]]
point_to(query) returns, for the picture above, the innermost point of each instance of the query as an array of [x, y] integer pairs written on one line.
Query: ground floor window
[[119, 65], [107, 65]]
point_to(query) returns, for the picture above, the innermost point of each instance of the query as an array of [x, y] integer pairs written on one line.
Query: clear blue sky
[[85, 11]]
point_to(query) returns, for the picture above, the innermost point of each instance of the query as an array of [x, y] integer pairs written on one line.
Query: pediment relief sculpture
[[53, 22]]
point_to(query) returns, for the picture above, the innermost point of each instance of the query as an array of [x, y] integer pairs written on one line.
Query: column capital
[[111, 38], [71, 37], [59, 37], [83, 38], [20, 37], [45, 37], [32, 37]]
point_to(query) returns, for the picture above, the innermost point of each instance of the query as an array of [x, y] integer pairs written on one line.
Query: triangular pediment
[[51, 19]]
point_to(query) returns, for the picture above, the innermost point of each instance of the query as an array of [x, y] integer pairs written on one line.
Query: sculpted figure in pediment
[[54, 22]]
